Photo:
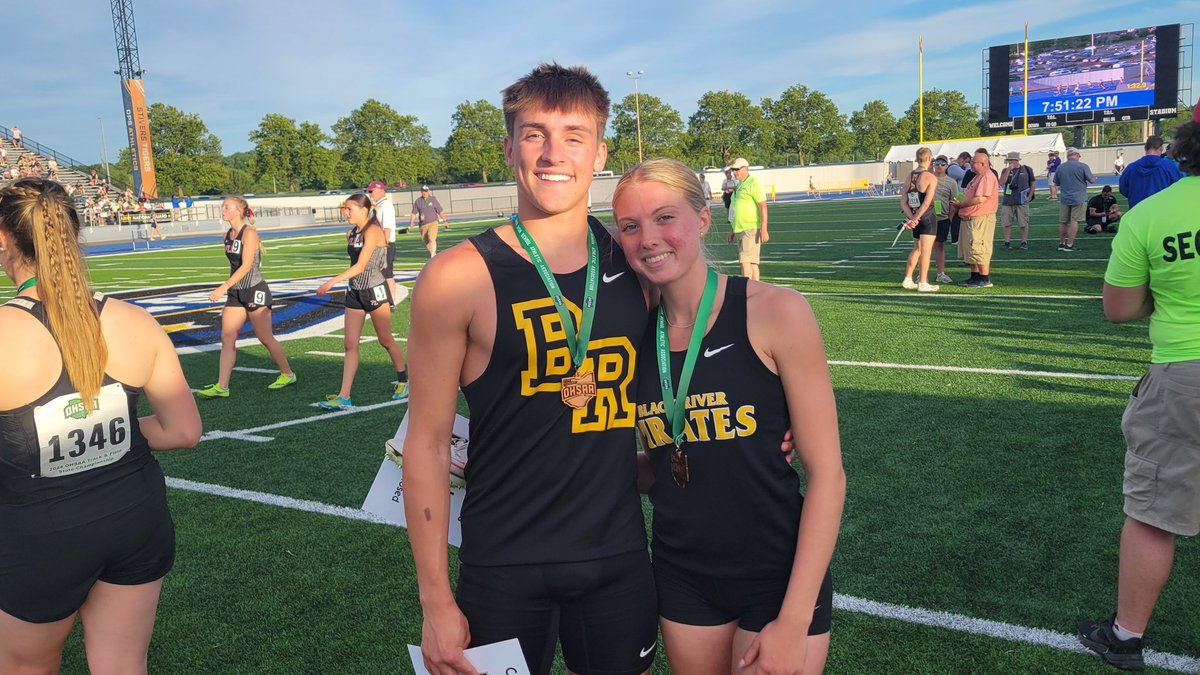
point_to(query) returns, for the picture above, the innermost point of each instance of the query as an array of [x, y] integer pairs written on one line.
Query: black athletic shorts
[[46, 576], [602, 611], [943, 230], [696, 600], [926, 226], [390, 270], [368, 299], [254, 298]]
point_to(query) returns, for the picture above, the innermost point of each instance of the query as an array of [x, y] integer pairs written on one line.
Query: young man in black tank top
[[554, 547], [917, 202]]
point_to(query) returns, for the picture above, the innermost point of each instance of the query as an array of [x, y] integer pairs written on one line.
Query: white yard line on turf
[[958, 623], [265, 371], [252, 434], [983, 371], [997, 629], [334, 354]]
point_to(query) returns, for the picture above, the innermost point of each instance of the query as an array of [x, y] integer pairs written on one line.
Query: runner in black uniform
[[84, 526], [247, 297], [741, 568], [554, 544], [917, 202], [367, 293]]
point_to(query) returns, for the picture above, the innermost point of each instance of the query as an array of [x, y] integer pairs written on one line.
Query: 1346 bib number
[[71, 442]]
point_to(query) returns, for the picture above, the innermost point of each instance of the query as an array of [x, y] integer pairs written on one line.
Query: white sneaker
[[908, 283], [927, 288], [944, 278]]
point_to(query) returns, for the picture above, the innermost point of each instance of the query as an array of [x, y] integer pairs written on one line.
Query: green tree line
[[377, 142]]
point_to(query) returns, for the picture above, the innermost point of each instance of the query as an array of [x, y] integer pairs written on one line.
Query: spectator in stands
[[958, 169], [1052, 164], [1103, 212], [1148, 174], [3, 155], [728, 187], [1073, 177], [93, 179], [978, 207], [16, 137], [946, 204], [1017, 180], [1154, 272]]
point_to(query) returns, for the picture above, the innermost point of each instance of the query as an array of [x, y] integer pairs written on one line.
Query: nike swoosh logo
[[718, 350], [643, 652], [608, 280]]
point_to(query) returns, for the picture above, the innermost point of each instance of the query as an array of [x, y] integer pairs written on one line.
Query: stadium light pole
[[637, 104]]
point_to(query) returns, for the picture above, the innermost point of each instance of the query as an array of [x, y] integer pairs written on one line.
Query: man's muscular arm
[[437, 344]]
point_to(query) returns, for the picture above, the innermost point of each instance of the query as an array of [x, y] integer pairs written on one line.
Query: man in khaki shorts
[[749, 209], [1154, 272], [978, 207], [427, 212]]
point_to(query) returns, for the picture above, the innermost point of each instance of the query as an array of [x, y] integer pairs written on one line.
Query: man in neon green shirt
[[749, 218], [1154, 271]]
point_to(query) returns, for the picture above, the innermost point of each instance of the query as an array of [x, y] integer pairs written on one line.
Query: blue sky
[[234, 61]]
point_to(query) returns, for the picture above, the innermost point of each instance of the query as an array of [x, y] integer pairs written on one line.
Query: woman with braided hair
[[84, 526]]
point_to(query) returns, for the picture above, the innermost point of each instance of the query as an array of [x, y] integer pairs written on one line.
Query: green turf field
[[984, 489]]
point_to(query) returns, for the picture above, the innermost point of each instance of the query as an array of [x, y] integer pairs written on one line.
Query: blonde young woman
[[247, 298], [741, 558], [367, 294], [84, 527]]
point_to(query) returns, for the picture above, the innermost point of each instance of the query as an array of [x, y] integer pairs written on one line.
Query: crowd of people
[[563, 335]]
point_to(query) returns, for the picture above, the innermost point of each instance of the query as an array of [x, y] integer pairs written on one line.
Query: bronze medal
[[679, 467], [578, 391]]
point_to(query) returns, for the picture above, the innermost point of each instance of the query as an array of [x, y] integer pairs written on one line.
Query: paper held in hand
[[386, 497], [500, 658]]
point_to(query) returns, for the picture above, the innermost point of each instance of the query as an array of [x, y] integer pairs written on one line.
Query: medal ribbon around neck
[[577, 345], [28, 284], [672, 406]]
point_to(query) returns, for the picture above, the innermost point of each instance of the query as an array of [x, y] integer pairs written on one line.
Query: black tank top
[[916, 197], [740, 512], [233, 251], [60, 468], [550, 483]]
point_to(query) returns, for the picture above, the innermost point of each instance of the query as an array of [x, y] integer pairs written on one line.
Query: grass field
[[984, 498]]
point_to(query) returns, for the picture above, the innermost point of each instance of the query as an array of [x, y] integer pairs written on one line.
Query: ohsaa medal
[[578, 391]]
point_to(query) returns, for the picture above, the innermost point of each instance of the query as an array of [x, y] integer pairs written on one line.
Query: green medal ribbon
[[672, 406], [577, 346], [26, 285]]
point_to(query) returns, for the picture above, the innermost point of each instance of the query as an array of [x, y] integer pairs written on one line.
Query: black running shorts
[[46, 576], [696, 600], [368, 299], [943, 230], [926, 226], [602, 611], [252, 299]]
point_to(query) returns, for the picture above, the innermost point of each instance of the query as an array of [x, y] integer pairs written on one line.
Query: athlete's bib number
[[259, 297], [379, 292], [70, 442], [914, 200], [357, 241], [235, 246]]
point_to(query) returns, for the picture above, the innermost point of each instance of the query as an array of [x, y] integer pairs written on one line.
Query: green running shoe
[[213, 391], [401, 392], [282, 381], [335, 403]]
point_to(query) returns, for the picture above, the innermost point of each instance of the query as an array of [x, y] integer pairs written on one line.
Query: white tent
[[999, 145]]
